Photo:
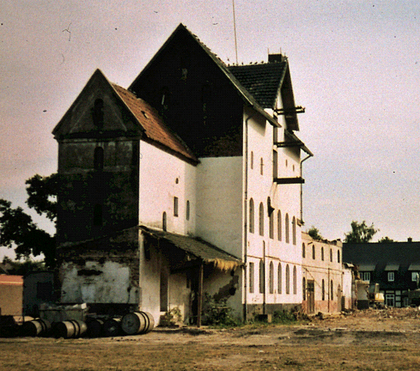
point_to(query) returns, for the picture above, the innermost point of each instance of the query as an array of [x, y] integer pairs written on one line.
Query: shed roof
[[10, 280], [198, 248]]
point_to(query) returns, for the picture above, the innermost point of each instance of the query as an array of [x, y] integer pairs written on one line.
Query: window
[[365, 276], [262, 277], [251, 216], [275, 164], [414, 276], [251, 161], [261, 166], [98, 158], [322, 253], [313, 252], [271, 225], [294, 231], [391, 277], [98, 113], [303, 251], [279, 225], [286, 223], [279, 279], [304, 288], [261, 219], [390, 300], [271, 278], [331, 255], [332, 290], [338, 256], [175, 206], [97, 215], [294, 281], [187, 214], [251, 277], [287, 279], [164, 225], [44, 291], [323, 289]]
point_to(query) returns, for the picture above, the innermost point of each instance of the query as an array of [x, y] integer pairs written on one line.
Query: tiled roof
[[155, 129], [261, 80]]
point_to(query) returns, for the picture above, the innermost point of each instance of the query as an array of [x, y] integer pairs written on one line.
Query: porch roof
[[198, 248]]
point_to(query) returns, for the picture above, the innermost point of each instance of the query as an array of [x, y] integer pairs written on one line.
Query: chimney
[[276, 58], [409, 239]]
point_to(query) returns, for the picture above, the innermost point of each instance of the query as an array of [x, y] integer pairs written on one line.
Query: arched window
[[251, 277], [332, 290], [304, 288], [313, 252], [323, 289], [279, 225], [262, 277], [331, 255], [261, 220], [294, 280], [338, 256], [262, 166], [187, 211], [286, 227], [322, 253], [251, 216], [251, 161], [279, 279], [303, 250], [97, 215], [271, 278], [98, 158], [271, 225], [98, 113], [287, 279], [294, 230], [164, 225]]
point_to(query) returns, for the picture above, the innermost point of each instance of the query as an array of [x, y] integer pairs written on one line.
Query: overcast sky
[[355, 68]]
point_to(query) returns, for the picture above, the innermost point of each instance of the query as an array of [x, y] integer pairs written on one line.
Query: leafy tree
[[22, 268], [17, 229], [314, 233], [386, 239], [360, 232]]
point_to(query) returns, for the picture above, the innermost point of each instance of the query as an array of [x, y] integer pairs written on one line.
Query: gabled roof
[[261, 80], [155, 130], [146, 120]]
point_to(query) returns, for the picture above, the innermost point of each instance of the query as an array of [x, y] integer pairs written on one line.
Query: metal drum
[[38, 327], [112, 327], [137, 323], [70, 329], [95, 328]]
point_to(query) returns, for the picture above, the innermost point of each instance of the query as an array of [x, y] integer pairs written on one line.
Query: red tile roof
[[156, 130], [11, 280]]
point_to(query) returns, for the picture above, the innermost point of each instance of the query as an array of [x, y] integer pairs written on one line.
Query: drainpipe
[[245, 308]]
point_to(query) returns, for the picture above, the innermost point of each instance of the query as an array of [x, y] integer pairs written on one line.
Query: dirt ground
[[364, 340]]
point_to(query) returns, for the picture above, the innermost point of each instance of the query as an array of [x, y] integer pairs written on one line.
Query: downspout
[[245, 308]]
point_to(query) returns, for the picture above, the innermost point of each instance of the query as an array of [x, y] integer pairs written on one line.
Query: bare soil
[[364, 340]]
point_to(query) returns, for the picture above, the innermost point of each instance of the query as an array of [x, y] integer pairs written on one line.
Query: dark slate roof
[[261, 80], [381, 254], [197, 248]]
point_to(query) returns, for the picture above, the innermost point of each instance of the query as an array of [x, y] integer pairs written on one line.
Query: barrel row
[[130, 324]]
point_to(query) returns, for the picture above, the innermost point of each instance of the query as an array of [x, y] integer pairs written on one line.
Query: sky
[[355, 67]]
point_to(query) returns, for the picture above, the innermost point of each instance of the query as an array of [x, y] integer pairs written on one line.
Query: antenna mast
[[234, 31]]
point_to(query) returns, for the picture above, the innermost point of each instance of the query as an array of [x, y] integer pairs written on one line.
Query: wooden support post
[[200, 293]]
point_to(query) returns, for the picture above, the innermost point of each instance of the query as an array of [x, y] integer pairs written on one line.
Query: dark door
[[311, 297]]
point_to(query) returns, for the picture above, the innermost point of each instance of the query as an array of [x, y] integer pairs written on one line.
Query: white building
[[193, 189]]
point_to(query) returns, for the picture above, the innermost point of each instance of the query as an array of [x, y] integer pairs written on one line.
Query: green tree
[[360, 232], [385, 239], [314, 233], [17, 229]]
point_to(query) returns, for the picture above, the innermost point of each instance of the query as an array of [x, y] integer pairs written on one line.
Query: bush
[[217, 312]]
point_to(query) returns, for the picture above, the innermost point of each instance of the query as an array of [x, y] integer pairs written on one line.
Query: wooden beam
[[200, 293], [288, 144], [296, 180]]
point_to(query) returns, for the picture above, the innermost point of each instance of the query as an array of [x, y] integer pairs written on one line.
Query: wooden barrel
[[112, 327], [137, 323], [95, 328], [37, 327], [70, 329]]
